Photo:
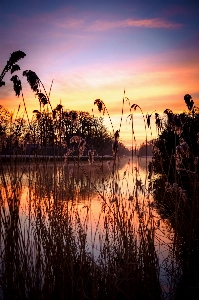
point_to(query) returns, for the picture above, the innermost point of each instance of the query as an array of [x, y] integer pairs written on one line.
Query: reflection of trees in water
[[62, 181], [143, 162]]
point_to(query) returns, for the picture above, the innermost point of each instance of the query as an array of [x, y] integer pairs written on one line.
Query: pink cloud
[[147, 23], [70, 23]]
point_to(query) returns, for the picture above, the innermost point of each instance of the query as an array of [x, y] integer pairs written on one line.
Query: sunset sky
[[96, 49]]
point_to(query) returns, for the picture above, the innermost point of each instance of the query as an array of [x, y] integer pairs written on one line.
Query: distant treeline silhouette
[[51, 131], [59, 132]]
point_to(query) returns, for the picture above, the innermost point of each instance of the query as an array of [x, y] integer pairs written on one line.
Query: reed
[[46, 247], [52, 245]]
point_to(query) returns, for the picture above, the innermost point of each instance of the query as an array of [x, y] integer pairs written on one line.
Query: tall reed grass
[[46, 248]]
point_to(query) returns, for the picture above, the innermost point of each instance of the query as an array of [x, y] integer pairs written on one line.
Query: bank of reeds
[[176, 191], [46, 251]]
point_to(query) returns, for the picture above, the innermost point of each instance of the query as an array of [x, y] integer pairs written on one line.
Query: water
[[92, 195]]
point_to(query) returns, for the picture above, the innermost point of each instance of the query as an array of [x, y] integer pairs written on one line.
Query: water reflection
[[99, 199]]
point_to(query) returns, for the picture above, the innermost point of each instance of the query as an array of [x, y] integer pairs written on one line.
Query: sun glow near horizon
[[98, 51], [152, 90]]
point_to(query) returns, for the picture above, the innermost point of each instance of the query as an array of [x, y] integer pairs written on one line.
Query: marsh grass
[[53, 248], [50, 250], [176, 192]]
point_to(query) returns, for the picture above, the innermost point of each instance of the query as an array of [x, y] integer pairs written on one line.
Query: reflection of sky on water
[[93, 192]]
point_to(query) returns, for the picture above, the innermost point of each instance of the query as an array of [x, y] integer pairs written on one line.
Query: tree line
[[51, 130], [60, 129]]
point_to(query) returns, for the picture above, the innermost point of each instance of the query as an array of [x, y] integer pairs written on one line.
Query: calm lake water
[[89, 193]]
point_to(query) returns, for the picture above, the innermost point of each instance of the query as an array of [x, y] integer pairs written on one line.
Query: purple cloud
[[101, 25]]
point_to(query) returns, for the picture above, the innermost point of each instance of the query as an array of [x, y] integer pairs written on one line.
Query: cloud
[[70, 23], [159, 81], [101, 25]]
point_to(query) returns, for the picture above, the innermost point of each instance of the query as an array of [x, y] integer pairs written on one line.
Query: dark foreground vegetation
[[46, 255], [49, 250], [175, 163]]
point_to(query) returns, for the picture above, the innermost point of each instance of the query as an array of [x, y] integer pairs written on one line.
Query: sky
[[99, 49]]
